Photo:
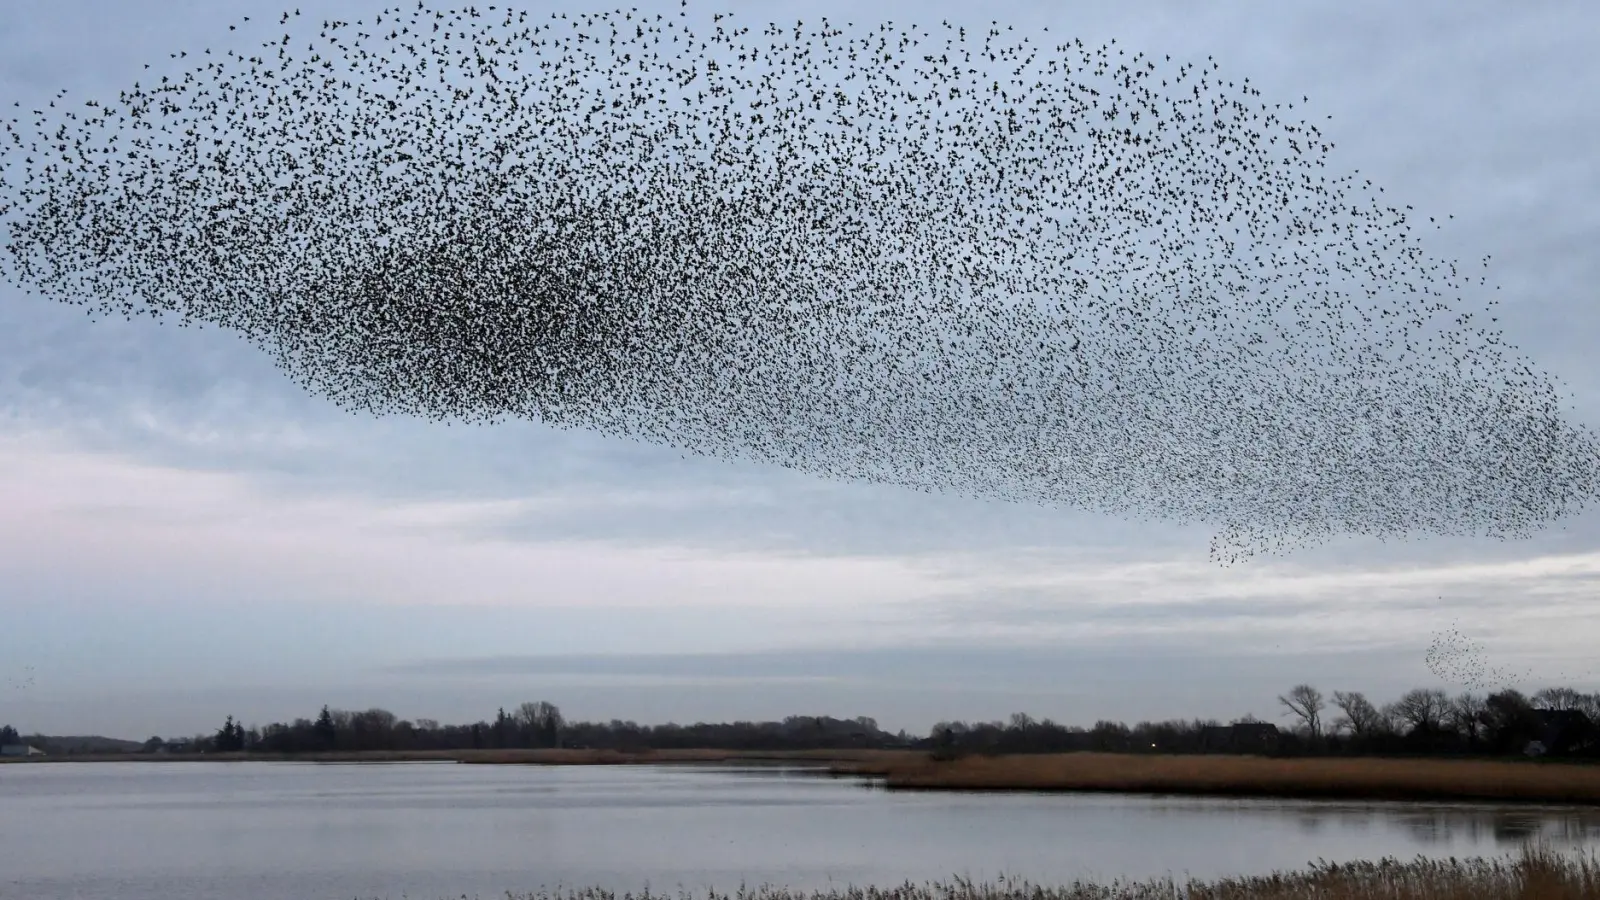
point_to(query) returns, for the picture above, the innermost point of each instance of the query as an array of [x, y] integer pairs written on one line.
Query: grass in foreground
[[1538, 874]]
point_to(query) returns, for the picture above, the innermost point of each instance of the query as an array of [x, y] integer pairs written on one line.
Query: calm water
[[425, 831]]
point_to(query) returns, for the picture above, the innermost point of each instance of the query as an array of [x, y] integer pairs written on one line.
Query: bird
[[952, 258], [1456, 659]]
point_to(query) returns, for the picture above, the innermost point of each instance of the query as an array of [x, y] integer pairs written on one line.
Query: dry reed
[[1368, 778], [1539, 873]]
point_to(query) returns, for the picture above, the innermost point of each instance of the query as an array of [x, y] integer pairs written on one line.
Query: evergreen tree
[[230, 737], [502, 729], [327, 734]]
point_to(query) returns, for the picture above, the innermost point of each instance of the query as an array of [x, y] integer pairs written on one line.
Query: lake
[[427, 831]]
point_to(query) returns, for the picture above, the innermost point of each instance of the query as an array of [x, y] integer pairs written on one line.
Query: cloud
[[179, 526]]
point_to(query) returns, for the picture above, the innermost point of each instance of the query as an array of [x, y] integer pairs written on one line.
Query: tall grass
[[1538, 873], [1359, 778]]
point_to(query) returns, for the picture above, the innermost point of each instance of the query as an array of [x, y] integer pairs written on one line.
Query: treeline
[[1560, 722], [532, 725], [1555, 722], [65, 745]]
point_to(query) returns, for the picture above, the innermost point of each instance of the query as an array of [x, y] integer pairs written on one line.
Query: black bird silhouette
[[1456, 659], [944, 258], [22, 680]]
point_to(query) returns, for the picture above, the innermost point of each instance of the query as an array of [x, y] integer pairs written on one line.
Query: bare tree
[[375, 719], [1467, 715], [1558, 698], [1589, 704], [544, 720], [527, 714], [1305, 703], [1359, 715], [1422, 709], [1391, 719]]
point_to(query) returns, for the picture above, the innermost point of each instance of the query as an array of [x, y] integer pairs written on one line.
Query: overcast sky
[[184, 534]]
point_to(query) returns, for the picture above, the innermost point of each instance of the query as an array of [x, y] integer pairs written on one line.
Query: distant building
[[1560, 730], [1215, 738], [20, 750]]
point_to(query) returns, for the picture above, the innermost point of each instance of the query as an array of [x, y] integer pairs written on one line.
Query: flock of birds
[[1455, 659], [22, 680], [954, 259]]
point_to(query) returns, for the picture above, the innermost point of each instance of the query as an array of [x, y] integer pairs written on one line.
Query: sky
[[185, 534]]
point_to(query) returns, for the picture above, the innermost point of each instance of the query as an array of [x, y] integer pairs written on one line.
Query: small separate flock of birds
[[950, 258], [1456, 659]]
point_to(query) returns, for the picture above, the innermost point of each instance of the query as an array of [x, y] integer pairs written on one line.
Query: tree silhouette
[[1360, 716], [327, 733], [1305, 703], [229, 738]]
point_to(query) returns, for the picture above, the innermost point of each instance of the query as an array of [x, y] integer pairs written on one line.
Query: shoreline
[[1324, 778], [811, 758]]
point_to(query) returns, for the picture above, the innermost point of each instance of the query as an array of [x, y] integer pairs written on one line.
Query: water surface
[[426, 831]]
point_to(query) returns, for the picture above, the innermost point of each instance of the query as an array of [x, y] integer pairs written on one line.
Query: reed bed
[[1369, 778], [1539, 873]]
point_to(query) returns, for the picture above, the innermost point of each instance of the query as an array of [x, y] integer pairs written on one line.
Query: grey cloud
[[1041, 607], [975, 667]]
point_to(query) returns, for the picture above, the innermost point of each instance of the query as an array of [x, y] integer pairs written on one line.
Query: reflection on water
[[299, 831], [1484, 825]]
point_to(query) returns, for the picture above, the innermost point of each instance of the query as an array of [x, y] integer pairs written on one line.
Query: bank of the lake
[[1223, 776], [565, 757]]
